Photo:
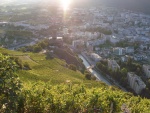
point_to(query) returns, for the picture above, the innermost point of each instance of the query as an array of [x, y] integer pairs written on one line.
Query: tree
[[18, 62], [124, 71], [37, 48], [9, 85], [129, 62], [88, 76], [72, 67], [93, 78]]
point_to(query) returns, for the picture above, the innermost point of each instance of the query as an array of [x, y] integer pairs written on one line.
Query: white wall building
[[129, 49], [112, 64], [119, 51], [95, 57], [76, 43], [114, 39], [146, 69], [135, 82]]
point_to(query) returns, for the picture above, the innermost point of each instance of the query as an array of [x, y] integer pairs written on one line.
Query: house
[[143, 46], [114, 39], [119, 51], [135, 82], [76, 43], [129, 50], [57, 41], [139, 57], [96, 42], [95, 57], [146, 69], [125, 58], [112, 64], [90, 48]]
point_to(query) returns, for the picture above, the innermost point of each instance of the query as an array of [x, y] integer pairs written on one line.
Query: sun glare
[[65, 4]]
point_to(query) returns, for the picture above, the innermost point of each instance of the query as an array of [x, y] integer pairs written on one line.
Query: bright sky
[[65, 4]]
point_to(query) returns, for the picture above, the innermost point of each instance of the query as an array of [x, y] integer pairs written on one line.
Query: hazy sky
[[138, 5]]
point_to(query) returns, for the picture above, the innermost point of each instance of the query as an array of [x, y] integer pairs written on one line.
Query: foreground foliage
[[68, 98], [69, 94], [9, 84]]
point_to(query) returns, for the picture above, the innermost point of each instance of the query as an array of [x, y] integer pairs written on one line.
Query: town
[[114, 41]]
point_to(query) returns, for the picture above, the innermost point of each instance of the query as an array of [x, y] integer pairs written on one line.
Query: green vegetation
[[51, 87], [72, 67], [68, 98], [89, 76], [9, 85], [43, 69], [101, 30], [120, 75]]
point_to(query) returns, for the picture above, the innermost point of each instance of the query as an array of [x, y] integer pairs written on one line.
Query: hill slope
[[50, 87]]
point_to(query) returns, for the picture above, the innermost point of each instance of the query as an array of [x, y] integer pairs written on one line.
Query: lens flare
[[65, 4]]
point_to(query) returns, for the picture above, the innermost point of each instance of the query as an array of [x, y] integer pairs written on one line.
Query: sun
[[65, 4]]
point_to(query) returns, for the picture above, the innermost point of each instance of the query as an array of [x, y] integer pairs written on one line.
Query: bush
[[88, 76], [72, 67], [9, 85], [45, 98], [37, 48], [93, 78], [27, 66], [18, 62]]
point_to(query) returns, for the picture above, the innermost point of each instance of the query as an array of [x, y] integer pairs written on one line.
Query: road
[[98, 75], [94, 72], [22, 45]]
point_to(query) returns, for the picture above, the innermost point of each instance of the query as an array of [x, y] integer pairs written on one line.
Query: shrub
[[88, 76], [72, 67], [27, 66], [9, 85]]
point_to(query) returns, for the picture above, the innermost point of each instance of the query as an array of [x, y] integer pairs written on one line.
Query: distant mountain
[[136, 5]]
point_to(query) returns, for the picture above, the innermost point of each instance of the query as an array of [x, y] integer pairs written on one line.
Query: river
[[98, 75]]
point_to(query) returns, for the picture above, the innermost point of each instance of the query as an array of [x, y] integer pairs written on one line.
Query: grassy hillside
[[52, 70], [50, 87]]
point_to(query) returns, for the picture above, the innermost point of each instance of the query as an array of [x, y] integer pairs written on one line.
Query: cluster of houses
[[135, 82]]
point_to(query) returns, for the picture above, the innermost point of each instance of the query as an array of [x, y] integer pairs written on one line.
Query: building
[[57, 41], [129, 49], [135, 82], [114, 39], [112, 64], [96, 42], [146, 69], [119, 51], [138, 57], [95, 57], [76, 43], [65, 31], [125, 58]]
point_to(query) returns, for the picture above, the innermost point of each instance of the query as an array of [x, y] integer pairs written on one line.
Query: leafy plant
[[9, 84]]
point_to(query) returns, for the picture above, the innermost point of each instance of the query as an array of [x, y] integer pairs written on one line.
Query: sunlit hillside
[[50, 87]]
